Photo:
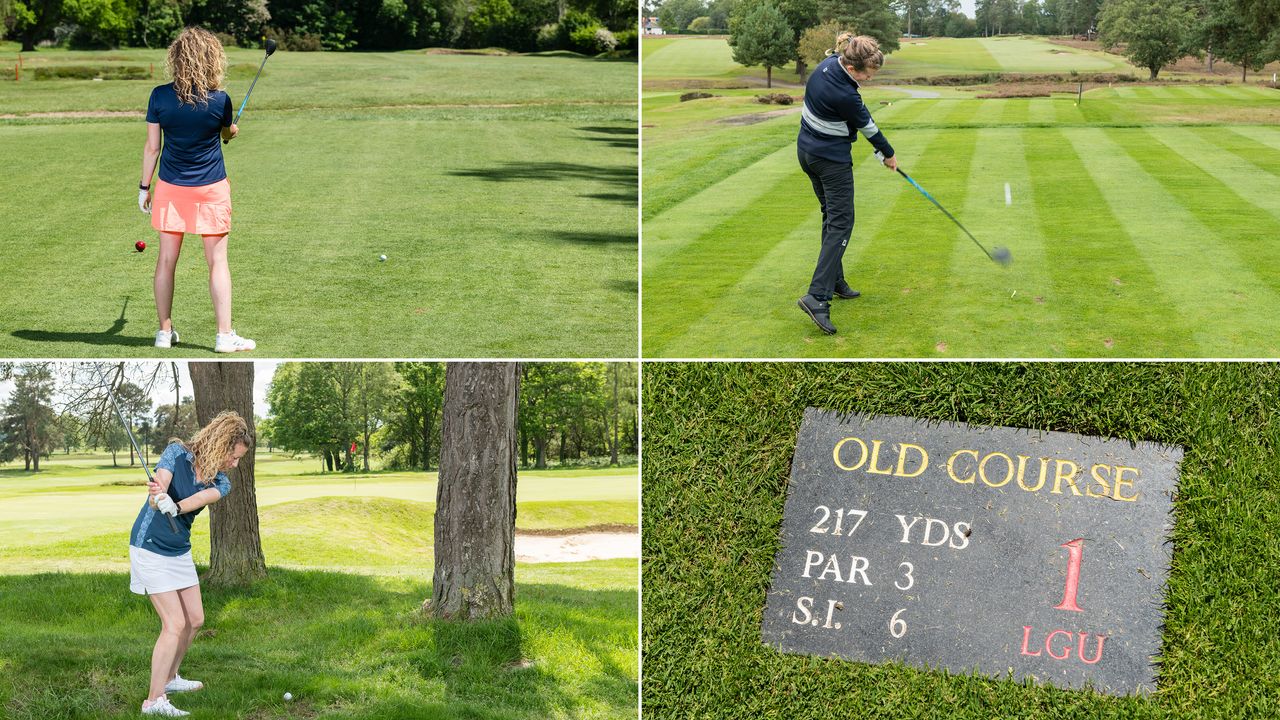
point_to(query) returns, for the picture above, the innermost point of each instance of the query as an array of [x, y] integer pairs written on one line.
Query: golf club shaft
[[938, 205], [246, 95], [129, 431]]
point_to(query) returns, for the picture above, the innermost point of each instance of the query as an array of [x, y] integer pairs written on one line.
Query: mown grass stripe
[[758, 317], [1242, 146], [1003, 304], [683, 222], [1103, 288], [1268, 136], [1041, 110], [961, 112], [1016, 110], [907, 266], [1238, 224], [914, 109], [1254, 183], [689, 282], [1218, 292]]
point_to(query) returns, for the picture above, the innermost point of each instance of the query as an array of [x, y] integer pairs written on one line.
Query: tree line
[[586, 26], [351, 416], [1151, 33]]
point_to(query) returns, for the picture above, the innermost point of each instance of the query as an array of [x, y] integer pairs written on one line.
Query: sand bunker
[[577, 547]]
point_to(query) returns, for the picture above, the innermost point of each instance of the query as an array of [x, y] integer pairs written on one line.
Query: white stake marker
[[1008, 195]]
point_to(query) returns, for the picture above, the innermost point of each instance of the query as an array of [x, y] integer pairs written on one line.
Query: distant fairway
[[1142, 223], [76, 515], [473, 175]]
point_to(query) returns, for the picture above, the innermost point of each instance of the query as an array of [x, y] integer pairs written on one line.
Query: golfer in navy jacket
[[831, 119]]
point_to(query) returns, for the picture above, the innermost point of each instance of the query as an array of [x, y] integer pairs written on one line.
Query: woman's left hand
[[891, 162], [144, 201]]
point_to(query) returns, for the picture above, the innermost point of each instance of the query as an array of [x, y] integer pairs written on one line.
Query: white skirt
[[150, 573]]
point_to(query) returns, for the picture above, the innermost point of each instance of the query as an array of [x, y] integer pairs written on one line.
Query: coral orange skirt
[[203, 210]]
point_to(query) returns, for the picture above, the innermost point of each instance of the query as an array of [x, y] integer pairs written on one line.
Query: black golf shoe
[[845, 292], [819, 311]]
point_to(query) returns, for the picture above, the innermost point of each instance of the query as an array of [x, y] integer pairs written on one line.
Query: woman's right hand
[[144, 201], [891, 162]]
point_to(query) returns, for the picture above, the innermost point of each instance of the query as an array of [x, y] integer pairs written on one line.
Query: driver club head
[[1001, 255], [270, 46]]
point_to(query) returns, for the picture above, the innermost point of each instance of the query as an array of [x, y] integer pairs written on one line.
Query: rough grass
[[472, 174], [1138, 224], [337, 623], [718, 445]]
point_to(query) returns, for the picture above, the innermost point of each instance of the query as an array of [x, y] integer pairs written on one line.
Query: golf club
[[1000, 255], [128, 431], [270, 47]]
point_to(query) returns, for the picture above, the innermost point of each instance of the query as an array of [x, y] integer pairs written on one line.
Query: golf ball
[[382, 258], [140, 246], [288, 696]]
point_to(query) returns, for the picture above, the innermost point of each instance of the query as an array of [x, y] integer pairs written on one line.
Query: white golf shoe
[[163, 708], [180, 684], [166, 338], [231, 342]]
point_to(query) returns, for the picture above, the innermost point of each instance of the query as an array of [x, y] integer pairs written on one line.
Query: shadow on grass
[[625, 138], [624, 180], [110, 336], [596, 238], [79, 645]]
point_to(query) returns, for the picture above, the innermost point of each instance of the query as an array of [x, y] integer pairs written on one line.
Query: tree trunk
[[540, 449], [475, 517], [613, 437], [1154, 71], [1244, 71], [426, 442], [235, 556], [768, 73]]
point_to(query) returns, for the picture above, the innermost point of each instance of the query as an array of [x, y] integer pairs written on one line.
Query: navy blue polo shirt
[[192, 154], [833, 115], [150, 530]]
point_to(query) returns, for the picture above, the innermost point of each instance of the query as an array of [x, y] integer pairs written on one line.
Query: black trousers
[[833, 184]]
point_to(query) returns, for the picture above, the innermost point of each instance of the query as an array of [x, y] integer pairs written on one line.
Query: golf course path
[[913, 92], [578, 547]]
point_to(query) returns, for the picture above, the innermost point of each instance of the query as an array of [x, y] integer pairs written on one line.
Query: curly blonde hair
[[860, 52], [197, 65], [215, 442]]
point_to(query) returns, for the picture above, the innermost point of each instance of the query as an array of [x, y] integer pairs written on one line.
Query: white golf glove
[[144, 201], [166, 505]]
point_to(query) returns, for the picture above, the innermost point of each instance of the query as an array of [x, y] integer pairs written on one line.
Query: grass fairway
[[718, 444], [1141, 224], [336, 623], [472, 174]]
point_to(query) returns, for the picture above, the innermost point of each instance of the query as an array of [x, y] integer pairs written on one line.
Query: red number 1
[[1076, 550]]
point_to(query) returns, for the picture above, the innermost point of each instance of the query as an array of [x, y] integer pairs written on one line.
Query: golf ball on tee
[[382, 258], [288, 696]]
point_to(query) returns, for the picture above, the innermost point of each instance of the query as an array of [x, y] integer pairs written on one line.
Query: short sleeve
[[153, 111], [169, 457], [227, 115], [223, 485]]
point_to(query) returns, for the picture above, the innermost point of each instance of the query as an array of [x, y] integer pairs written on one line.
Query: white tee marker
[[1008, 195]]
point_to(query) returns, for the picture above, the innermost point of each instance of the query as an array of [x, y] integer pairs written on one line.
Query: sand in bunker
[[577, 547]]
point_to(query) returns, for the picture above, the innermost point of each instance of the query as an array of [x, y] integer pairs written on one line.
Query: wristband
[[143, 187]]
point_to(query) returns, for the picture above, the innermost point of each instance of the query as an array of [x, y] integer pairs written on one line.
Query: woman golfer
[[192, 194], [188, 477], [832, 116]]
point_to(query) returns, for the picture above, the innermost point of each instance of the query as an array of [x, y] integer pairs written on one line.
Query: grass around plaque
[[718, 445]]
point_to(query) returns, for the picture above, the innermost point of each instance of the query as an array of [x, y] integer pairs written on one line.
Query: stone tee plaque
[[1015, 553]]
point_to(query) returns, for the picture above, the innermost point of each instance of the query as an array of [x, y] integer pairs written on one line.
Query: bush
[[699, 25], [627, 40], [776, 98], [694, 96], [226, 39], [548, 37], [296, 41]]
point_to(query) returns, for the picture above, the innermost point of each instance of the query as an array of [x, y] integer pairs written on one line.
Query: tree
[[135, 406], [1154, 33], [419, 398], [761, 36], [475, 517], [235, 556], [315, 409], [675, 15], [374, 389], [28, 427], [818, 41], [34, 20], [865, 17], [623, 377]]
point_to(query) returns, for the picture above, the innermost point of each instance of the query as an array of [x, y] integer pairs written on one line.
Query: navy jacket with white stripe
[[834, 114]]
